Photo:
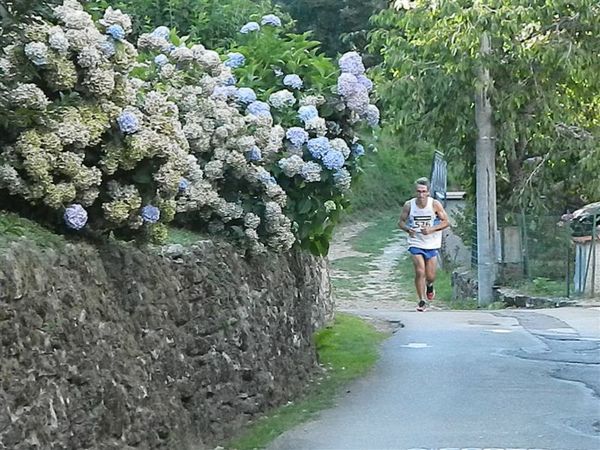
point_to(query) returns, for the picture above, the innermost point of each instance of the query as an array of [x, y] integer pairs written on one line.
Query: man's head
[[422, 187]]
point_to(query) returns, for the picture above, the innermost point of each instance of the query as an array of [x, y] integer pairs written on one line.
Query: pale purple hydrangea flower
[[293, 81], [271, 19], [351, 62], [161, 60], [318, 147], [311, 172], [372, 115], [235, 60], [258, 108], [348, 85], [333, 159], [128, 123], [365, 82], [307, 113], [249, 27], [150, 214], [75, 216], [116, 32], [245, 95], [297, 136]]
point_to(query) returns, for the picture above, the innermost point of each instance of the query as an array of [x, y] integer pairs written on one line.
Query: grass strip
[[14, 228], [347, 349], [374, 238]]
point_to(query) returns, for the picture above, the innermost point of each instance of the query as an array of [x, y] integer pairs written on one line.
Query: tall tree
[[340, 25], [545, 98]]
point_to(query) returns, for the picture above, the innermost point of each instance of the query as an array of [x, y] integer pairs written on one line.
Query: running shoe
[[430, 292], [421, 306]]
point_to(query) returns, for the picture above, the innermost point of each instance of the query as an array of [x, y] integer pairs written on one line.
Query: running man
[[423, 218]]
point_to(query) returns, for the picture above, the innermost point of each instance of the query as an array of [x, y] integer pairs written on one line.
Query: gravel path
[[379, 287]]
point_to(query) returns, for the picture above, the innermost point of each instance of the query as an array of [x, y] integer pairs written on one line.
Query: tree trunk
[[485, 159]]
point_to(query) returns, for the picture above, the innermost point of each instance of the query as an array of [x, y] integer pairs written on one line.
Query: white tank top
[[419, 218]]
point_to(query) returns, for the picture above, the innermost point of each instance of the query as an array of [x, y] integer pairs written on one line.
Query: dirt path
[[375, 288]]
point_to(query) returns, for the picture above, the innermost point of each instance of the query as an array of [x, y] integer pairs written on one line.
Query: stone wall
[[119, 348]]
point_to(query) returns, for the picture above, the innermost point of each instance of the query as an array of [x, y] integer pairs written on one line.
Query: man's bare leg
[[419, 263], [430, 268]]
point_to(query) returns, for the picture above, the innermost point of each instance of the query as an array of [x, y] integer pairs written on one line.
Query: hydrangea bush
[[103, 135]]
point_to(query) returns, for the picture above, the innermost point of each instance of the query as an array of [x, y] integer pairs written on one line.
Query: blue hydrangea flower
[[183, 184], [333, 159], [297, 136], [150, 214], [258, 108], [254, 154], [161, 32], [161, 60], [270, 19], [266, 178], [249, 27], [223, 92], [108, 48], [358, 150], [245, 95], [307, 112], [235, 60], [342, 179], [318, 147], [351, 62], [228, 81], [116, 32], [75, 216], [293, 81], [128, 123]]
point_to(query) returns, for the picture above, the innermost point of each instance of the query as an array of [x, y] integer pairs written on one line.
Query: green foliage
[[387, 173], [14, 228], [347, 349], [213, 23], [545, 97], [272, 51], [340, 25]]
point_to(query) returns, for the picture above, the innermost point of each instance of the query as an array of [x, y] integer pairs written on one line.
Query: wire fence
[[542, 255]]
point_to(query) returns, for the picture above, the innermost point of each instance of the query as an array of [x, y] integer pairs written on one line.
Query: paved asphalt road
[[477, 380]]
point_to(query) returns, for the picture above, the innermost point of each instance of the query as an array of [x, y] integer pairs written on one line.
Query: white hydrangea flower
[[57, 39], [341, 146], [28, 96], [116, 17]]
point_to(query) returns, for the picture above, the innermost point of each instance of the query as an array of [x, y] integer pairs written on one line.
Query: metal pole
[[593, 250]]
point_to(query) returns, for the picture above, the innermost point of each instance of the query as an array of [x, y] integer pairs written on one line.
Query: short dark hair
[[423, 181]]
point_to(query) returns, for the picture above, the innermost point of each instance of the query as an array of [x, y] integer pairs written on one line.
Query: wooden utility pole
[[485, 160]]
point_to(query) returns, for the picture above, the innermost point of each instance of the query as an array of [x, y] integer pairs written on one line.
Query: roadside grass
[[347, 349], [183, 236], [541, 286], [14, 228]]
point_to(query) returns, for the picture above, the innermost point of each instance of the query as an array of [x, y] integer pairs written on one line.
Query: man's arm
[[403, 218], [441, 213]]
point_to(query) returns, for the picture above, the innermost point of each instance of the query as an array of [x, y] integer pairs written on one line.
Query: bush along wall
[[98, 135], [116, 348]]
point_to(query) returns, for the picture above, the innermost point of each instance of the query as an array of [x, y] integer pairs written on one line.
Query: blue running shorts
[[427, 254]]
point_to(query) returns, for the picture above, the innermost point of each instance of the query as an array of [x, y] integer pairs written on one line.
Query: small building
[[585, 226]]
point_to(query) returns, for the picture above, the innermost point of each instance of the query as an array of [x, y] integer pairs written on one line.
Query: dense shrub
[[111, 140]]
